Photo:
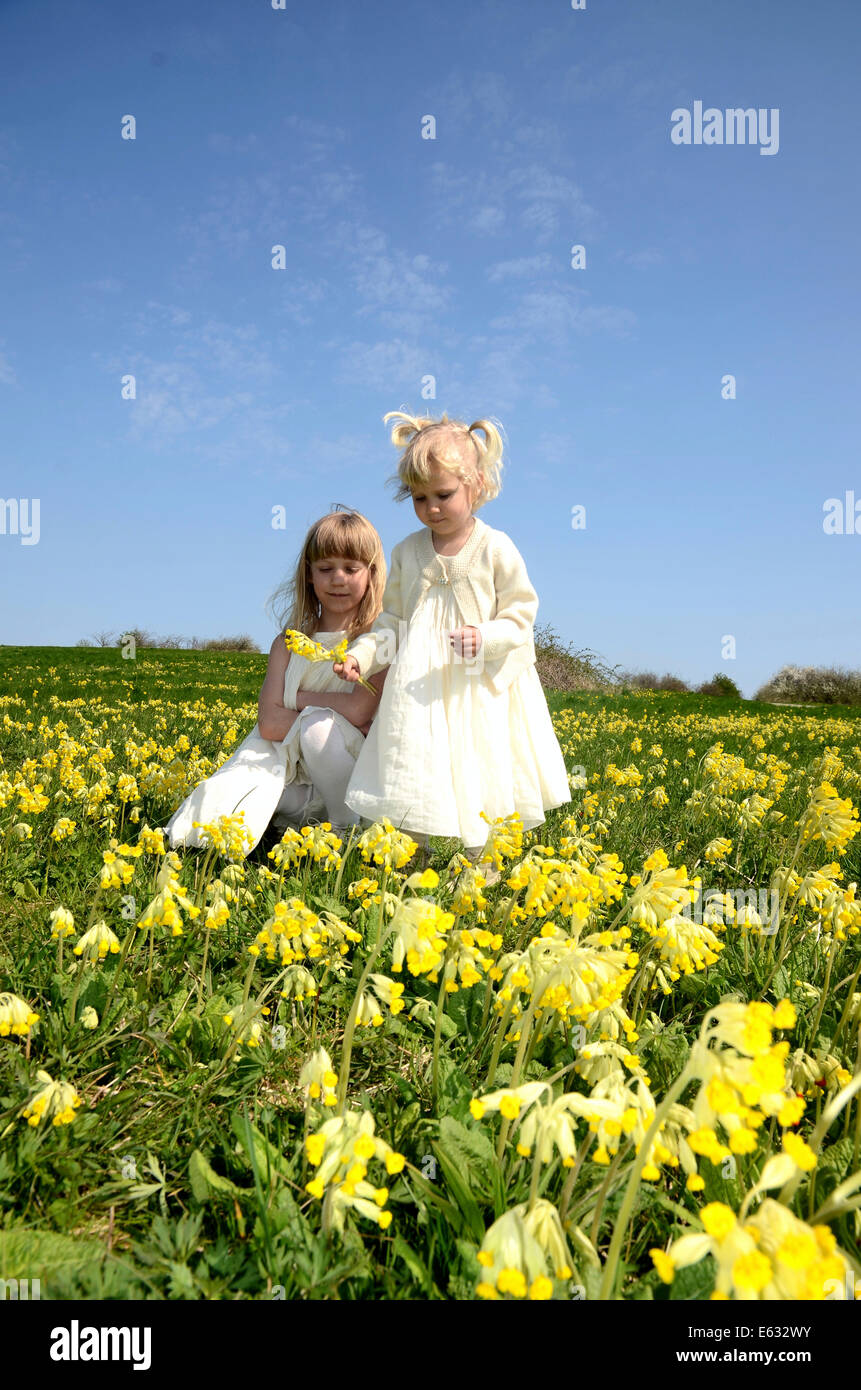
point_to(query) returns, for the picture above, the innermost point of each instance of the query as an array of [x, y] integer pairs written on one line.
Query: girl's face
[[445, 504], [339, 583]]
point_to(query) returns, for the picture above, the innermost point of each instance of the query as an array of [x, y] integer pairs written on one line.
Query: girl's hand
[[348, 669], [465, 641]]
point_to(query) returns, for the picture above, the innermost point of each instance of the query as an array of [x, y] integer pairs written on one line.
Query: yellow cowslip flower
[[800, 1152], [294, 932], [717, 850], [388, 992], [319, 1078], [151, 841], [16, 1016], [97, 943], [249, 1033], [587, 977], [467, 893], [62, 923], [290, 848], [298, 983], [56, 1101], [320, 844], [505, 840], [466, 964], [385, 845], [164, 910], [821, 1072], [366, 891], [829, 818], [217, 912], [63, 828], [228, 835], [22, 830], [348, 1142], [772, 1256], [513, 1262], [421, 931], [115, 872], [662, 893], [127, 787], [510, 1103], [303, 645], [32, 800], [685, 945]]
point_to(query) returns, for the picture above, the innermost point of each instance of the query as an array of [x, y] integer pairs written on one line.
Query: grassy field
[[631, 1069]]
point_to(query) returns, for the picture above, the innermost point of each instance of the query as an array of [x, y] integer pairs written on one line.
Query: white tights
[[330, 767]]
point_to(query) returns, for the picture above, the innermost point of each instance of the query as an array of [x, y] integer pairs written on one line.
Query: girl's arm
[[359, 708], [377, 647], [273, 720], [516, 604]]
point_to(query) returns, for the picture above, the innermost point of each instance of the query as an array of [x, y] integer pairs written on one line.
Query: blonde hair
[[341, 532], [448, 444]]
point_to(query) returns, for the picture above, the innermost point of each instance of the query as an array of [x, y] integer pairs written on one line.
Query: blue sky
[[451, 257]]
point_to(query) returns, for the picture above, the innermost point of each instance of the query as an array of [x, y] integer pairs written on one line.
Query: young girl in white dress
[[294, 767], [463, 725]]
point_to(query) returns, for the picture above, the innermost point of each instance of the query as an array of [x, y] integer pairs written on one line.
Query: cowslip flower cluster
[[151, 841], [164, 910], [248, 1033], [830, 818], [305, 646], [316, 842], [62, 923], [380, 992], [341, 1150], [579, 978], [744, 1081], [98, 942], [63, 828], [773, 1255], [554, 885], [685, 946], [466, 964], [319, 1078], [16, 1016], [299, 984], [382, 844], [116, 870], [515, 1251], [295, 932], [228, 835], [56, 1101], [662, 893], [504, 841], [421, 930]]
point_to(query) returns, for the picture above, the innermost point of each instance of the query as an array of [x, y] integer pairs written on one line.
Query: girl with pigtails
[[463, 734]]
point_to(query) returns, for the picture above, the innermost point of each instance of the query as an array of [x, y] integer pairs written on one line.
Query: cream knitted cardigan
[[489, 581]]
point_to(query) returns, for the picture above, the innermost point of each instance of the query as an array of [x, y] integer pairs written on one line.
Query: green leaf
[[458, 1186], [205, 1182], [405, 1252], [471, 1144], [267, 1158]]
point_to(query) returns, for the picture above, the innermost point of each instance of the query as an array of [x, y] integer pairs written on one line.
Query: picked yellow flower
[[303, 645]]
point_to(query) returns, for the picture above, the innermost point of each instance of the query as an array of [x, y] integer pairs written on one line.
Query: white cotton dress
[[444, 746], [256, 774]]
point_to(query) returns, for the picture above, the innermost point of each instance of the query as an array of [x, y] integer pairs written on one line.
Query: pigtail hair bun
[[408, 428]]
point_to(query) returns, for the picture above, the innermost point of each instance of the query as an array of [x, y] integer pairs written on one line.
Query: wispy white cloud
[[7, 371], [644, 257]]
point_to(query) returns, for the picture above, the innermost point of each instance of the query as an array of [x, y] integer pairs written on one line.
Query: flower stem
[[608, 1282]]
